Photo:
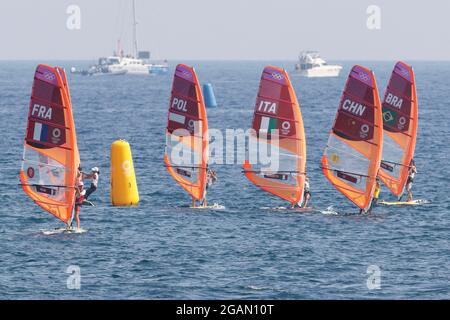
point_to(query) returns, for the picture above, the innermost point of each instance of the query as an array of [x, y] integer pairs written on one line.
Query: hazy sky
[[227, 29]]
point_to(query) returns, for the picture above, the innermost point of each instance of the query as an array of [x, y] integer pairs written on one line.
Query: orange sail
[[186, 153], [400, 119], [50, 158], [353, 153], [277, 109]]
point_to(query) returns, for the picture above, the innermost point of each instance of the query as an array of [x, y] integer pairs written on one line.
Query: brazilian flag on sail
[[389, 117]]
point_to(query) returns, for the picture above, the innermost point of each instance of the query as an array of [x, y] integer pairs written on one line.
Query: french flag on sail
[[40, 132]]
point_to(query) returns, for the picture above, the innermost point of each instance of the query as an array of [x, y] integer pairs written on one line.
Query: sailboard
[[50, 157], [404, 203], [62, 231], [187, 142], [353, 153], [214, 206], [88, 203], [400, 120], [278, 126]]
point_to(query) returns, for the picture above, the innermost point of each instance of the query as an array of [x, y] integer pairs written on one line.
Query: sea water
[[162, 249]]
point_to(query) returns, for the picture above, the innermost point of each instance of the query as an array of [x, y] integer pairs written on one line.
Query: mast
[[135, 46]]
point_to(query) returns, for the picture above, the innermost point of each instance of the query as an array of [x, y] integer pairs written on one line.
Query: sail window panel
[[343, 157], [392, 152], [46, 173], [181, 154]]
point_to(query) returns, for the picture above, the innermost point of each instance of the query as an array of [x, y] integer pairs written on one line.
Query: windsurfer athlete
[[94, 175], [410, 181], [79, 198], [306, 196], [376, 195], [211, 178], [306, 193]]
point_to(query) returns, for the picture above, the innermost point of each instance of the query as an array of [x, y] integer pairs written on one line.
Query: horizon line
[[224, 60]]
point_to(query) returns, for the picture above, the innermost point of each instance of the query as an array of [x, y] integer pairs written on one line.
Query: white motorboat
[[312, 65]]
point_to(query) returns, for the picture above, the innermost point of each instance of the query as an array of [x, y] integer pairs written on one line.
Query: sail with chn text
[[352, 156], [187, 143], [50, 158], [400, 120], [277, 126]]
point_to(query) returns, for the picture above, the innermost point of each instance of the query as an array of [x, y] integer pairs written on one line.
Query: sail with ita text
[[277, 126]]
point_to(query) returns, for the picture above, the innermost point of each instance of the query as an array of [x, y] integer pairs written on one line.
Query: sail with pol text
[[353, 153], [50, 158], [400, 120], [187, 141], [277, 124]]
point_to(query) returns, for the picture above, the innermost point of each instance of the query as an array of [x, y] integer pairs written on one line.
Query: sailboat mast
[[135, 46]]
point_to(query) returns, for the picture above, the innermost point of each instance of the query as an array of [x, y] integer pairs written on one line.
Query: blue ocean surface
[[162, 250]]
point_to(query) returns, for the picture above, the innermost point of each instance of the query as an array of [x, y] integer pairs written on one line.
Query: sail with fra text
[[277, 126], [400, 120], [187, 141], [352, 156], [50, 158]]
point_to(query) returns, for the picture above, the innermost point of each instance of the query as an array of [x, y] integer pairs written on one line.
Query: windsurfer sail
[[353, 153], [278, 124], [187, 142], [50, 158], [400, 119]]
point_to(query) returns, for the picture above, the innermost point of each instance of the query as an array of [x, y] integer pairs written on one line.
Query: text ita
[[267, 107]]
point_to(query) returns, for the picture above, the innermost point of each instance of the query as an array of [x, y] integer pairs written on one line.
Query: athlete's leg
[[410, 195], [77, 215], [89, 191], [305, 202]]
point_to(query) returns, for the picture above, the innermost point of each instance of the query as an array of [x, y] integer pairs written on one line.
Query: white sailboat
[[136, 63], [131, 64]]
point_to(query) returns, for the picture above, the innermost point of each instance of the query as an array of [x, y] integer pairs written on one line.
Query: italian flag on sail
[[268, 124]]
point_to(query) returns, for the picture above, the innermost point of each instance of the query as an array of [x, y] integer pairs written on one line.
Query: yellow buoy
[[124, 191]]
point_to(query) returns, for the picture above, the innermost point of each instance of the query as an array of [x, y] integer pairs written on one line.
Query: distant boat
[[312, 65], [129, 65], [101, 68], [159, 68], [137, 63]]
